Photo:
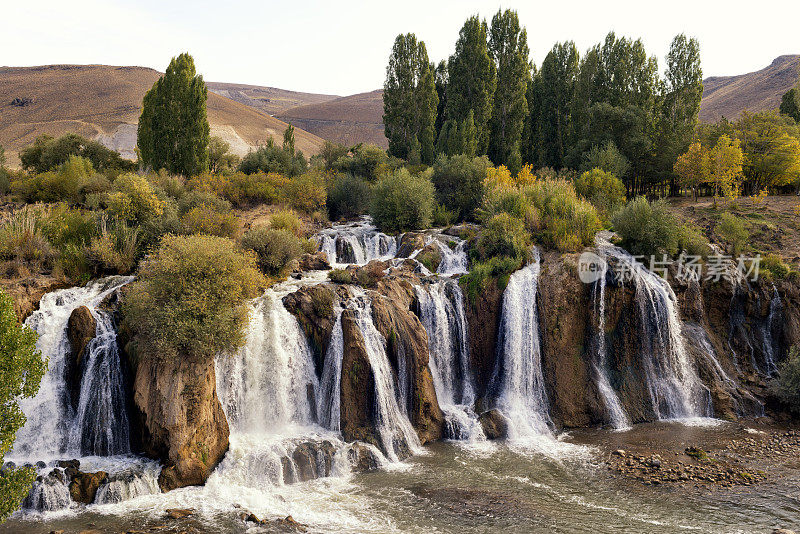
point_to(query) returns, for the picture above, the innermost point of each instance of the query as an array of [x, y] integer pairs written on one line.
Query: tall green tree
[[508, 47], [472, 80], [557, 84], [288, 139], [21, 371], [173, 127], [410, 101], [440, 80], [680, 104], [790, 104]]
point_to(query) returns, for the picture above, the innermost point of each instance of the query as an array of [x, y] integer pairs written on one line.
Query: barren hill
[[269, 100], [728, 96], [348, 120], [104, 102]]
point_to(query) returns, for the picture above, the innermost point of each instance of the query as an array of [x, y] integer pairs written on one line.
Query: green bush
[[47, 154], [305, 193], [567, 222], [206, 220], [134, 200], [189, 298], [271, 158], [503, 235], [348, 197], [68, 226], [340, 276], [72, 183], [604, 190], [773, 266], [442, 216], [274, 249], [366, 161], [733, 232], [514, 202], [607, 158], [647, 228], [22, 240], [787, 386], [481, 274], [692, 241], [402, 202], [194, 199], [459, 183], [5, 181], [286, 220]]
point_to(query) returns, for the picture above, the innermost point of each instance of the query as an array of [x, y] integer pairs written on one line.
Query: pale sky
[[342, 46]]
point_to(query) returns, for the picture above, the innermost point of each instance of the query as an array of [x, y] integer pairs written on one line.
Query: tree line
[[488, 98]]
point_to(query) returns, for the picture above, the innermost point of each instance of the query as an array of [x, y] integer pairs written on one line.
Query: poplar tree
[[410, 101], [173, 127], [556, 86], [508, 46], [472, 80]]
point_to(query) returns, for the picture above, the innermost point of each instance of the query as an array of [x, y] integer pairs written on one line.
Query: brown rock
[[83, 487], [81, 330], [494, 424], [362, 458], [410, 242], [181, 419], [357, 397], [314, 308], [179, 513], [317, 261]]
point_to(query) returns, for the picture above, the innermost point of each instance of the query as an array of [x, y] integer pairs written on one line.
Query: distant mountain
[[269, 100], [104, 102], [348, 120], [728, 96]]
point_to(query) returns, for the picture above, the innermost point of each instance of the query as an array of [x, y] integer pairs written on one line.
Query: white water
[[454, 260], [100, 426], [356, 243], [442, 314], [518, 379], [391, 421], [676, 391], [616, 413]]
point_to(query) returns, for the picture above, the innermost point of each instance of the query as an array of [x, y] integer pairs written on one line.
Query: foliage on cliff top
[[190, 298], [21, 371]]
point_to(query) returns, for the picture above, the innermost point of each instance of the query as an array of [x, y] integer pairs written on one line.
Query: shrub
[[274, 248], [189, 298], [647, 228], [604, 190], [270, 158], [442, 216], [286, 220], [772, 265], [787, 386], [459, 183], [134, 200], [348, 196], [340, 276], [194, 199], [567, 222], [305, 193], [205, 220], [607, 158], [240, 189], [22, 240], [733, 232], [481, 274], [513, 201], [47, 154], [5, 181], [692, 241], [68, 226], [402, 202], [503, 235]]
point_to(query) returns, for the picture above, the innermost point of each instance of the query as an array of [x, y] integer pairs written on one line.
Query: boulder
[[314, 308], [317, 261], [410, 242], [81, 330], [357, 396], [83, 487], [494, 424], [363, 458], [180, 418]]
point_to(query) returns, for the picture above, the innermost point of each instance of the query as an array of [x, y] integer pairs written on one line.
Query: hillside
[[348, 120], [269, 100], [104, 102], [728, 96]]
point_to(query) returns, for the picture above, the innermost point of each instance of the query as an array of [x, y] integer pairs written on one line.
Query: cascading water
[[442, 314], [770, 333], [394, 429], [100, 425], [328, 400], [357, 243], [616, 413], [454, 260], [676, 391], [518, 381]]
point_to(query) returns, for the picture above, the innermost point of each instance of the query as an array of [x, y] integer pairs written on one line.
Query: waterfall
[[770, 333], [329, 400], [518, 380], [442, 314], [675, 389], [454, 260], [391, 422], [616, 413], [356, 243], [100, 425]]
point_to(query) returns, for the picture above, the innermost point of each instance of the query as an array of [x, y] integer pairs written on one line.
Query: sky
[[342, 46]]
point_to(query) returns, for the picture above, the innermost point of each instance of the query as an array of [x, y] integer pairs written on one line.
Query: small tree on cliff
[[173, 128], [189, 299], [21, 371]]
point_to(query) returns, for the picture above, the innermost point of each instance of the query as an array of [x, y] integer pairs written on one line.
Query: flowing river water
[[536, 481]]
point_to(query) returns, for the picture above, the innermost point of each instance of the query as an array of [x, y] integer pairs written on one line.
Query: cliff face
[[181, 419]]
